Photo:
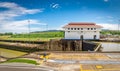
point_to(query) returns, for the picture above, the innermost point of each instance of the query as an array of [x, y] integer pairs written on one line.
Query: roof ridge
[[81, 23]]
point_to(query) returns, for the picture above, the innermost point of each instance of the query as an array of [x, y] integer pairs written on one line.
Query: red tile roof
[[82, 25]]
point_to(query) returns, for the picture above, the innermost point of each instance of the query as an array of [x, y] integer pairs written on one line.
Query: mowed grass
[[32, 39], [39, 36], [21, 60], [10, 53]]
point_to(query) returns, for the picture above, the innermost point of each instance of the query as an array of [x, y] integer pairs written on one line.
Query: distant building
[[82, 31]]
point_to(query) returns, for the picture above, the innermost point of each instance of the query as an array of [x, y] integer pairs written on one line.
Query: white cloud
[[7, 21], [21, 26], [55, 6], [104, 17], [99, 17], [106, 0], [110, 17], [109, 26], [14, 10]]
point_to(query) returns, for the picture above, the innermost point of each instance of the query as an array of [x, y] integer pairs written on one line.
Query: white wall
[[87, 34]]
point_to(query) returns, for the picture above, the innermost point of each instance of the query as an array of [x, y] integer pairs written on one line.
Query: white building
[[82, 31]]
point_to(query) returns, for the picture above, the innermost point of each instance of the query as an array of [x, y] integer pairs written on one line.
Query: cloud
[[104, 17], [13, 10], [99, 17], [106, 0], [22, 26], [110, 17], [55, 6], [109, 26]]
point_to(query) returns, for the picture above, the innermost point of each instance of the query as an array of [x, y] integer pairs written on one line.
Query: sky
[[17, 15]]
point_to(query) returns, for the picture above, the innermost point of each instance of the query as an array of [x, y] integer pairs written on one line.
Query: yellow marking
[[47, 57], [89, 70], [100, 70], [110, 69], [41, 56], [81, 67], [41, 61], [99, 67]]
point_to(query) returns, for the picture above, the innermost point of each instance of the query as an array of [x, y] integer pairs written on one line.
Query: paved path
[[85, 61], [23, 67], [5, 68], [100, 67], [99, 62]]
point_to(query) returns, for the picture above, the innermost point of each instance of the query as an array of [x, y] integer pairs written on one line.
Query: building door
[[94, 36], [81, 37]]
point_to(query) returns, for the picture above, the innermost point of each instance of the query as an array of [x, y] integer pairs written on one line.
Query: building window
[[91, 28], [68, 28], [71, 28], [81, 28], [94, 31], [88, 28], [81, 31], [94, 28], [74, 28], [68, 31], [78, 28]]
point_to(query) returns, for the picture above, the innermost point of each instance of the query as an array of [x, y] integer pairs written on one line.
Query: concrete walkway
[[100, 67], [23, 67]]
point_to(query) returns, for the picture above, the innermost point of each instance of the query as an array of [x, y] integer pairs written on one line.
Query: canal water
[[107, 47]]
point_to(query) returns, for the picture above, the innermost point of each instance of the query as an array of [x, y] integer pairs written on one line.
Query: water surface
[[110, 46]]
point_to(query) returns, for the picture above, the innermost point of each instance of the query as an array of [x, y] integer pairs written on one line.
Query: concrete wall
[[70, 45], [88, 46], [65, 45]]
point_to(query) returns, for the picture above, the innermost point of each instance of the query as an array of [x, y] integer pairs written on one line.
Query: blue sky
[[54, 14]]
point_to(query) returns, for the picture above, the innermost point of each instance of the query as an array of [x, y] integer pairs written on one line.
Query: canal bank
[[52, 45], [63, 45]]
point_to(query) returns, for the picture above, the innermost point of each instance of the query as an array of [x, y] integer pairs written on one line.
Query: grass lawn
[[10, 53], [33, 39], [22, 60], [41, 36], [28, 39]]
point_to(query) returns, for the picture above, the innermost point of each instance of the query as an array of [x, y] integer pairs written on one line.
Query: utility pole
[[0, 56], [29, 30], [46, 27], [118, 25]]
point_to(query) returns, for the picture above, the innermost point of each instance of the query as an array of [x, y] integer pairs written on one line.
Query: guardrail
[[98, 47]]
